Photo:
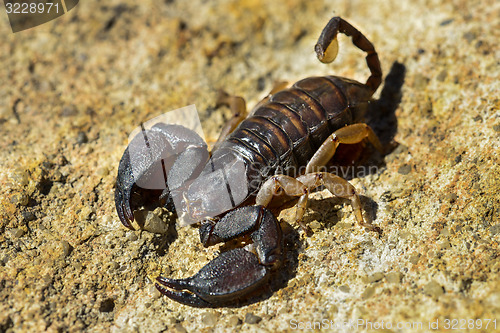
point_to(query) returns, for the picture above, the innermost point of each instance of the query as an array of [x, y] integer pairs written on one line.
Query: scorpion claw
[[123, 209], [125, 188], [180, 296], [233, 274]]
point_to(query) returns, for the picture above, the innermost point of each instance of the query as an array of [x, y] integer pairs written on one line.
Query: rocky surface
[[72, 90]]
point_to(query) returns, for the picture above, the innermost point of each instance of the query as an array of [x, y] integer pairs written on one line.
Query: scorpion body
[[285, 132], [281, 144]]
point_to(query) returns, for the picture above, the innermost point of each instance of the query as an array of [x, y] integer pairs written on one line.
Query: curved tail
[[327, 48]]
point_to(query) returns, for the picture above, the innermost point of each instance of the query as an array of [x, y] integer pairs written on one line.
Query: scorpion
[[296, 128]]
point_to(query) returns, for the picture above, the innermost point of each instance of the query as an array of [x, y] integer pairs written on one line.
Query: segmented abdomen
[[283, 133]]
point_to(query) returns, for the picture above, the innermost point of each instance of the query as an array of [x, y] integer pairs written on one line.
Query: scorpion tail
[[327, 48]]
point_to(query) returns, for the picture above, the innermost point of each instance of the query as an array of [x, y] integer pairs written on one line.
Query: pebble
[[315, 225], [113, 265], [433, 288], [442, 75], [154, 222], [20, 199], [404, 169], [81, 138], [180, 328], [20, 178], [344, 289], [107, 305], [451, 197], [16, 232], [375, 277], [470, 36], [420, 81], [166, 270], [209, 319], [495, 229], [445, 244], [102, 172], [151, 221], [234, 321], [132, 237], [65, 248], [414, 258], [333, 310], [28, 216], [445, 232], [250, 318], [155, 294], [56, 176], [394, 277], [369, 291]]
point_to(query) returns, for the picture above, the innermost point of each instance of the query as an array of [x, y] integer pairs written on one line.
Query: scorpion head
[[220, 187]]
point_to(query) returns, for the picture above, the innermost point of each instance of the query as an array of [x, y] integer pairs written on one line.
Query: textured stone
[[74, 88]]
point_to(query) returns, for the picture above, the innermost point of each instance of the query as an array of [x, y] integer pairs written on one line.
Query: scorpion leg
[[239, 108], [327, 48], [237, 272], [277, 87], [341, 188], [292, 187], [349, 135]]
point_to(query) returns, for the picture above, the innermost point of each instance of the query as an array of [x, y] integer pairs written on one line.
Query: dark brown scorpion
[[277, 149]]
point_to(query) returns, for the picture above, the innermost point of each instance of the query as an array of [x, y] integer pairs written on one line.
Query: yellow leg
[[349, 134]]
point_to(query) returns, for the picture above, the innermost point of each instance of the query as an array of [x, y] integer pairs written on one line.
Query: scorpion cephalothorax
[[298, 128]]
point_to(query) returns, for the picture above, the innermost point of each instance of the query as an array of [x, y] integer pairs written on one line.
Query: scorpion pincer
[[279, 148]]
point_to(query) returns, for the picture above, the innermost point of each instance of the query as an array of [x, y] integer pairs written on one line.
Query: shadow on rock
[[381, 115], [361, 159]]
